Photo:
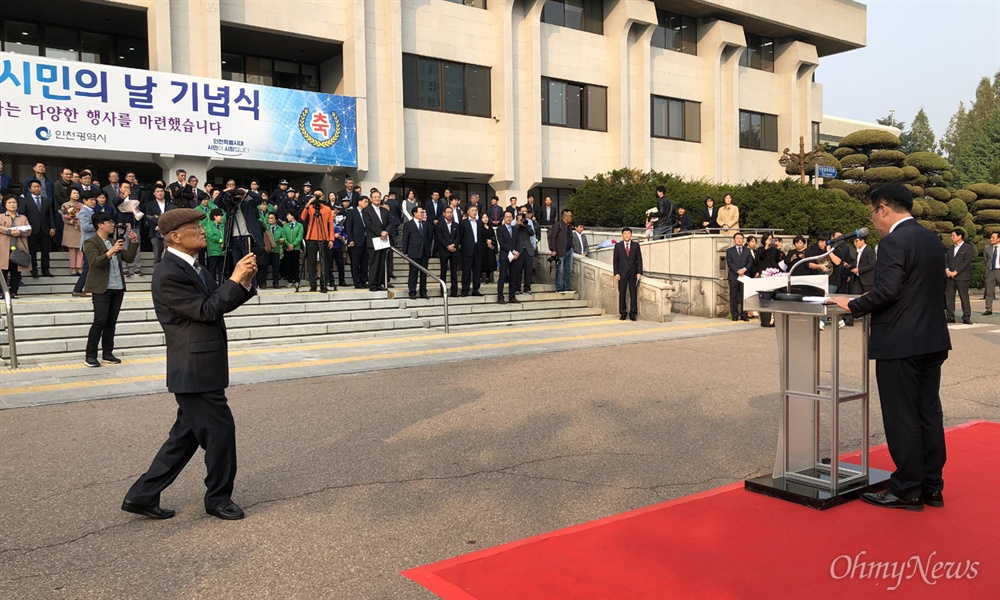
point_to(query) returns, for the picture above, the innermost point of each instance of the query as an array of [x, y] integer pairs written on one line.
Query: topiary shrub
[[886, 158], [977, 272], [966, 196], [854, 160], [872, 139], [883, 175], [843, 151], [854, 174], [935, 180], [841, 194], [944, 226], [969, 225], [957, 210], [984, 190], [948, 175], [927, 161], [989, 215], [911, 173], [990, 228], [986, 203], [935, 209], [918, 209], [938, 194], [916, 190], [926, 224]]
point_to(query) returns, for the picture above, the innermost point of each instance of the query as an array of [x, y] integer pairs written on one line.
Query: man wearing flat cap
[[190, 309]]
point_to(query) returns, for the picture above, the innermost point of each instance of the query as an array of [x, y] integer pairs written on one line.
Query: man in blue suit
[[738, 261], [417, 235], [909, 342]]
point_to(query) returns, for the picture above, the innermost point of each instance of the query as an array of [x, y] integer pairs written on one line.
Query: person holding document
[[417, 235], [510, 263], [377, 233], [909, 343]]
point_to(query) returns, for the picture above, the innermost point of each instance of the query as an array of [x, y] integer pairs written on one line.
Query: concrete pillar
[[195, 38]]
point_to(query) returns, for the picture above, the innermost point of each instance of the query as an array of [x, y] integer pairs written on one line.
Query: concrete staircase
[[52, 328]]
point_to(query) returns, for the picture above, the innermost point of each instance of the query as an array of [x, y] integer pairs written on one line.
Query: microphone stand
[[788, 287]]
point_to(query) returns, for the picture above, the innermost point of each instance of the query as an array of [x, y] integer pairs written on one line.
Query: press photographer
[[317, 218], [244, 234], [106, 282]]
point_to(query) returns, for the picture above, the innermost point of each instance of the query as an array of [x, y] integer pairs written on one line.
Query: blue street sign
[[826, 172]]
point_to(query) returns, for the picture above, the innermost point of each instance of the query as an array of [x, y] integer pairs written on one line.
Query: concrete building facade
[[494, 96]]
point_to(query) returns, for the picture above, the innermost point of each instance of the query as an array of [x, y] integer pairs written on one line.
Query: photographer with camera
[[106, 282], [244, 233], [527, 246], [317, 218]]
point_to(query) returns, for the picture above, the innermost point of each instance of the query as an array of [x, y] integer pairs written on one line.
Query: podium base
[[806, 495]]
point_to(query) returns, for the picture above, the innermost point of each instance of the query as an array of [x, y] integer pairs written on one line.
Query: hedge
[[986, 203], [916, 190], [989, 215], [854, 160], [935, 209], [622, 197], [938, 194], [985, 190], [870, 139], [990, 228], [927, 161], [944, 226], [853, 174], [957, 210], [893, 158], [926, 224], [883, 175], [966, 196], [918, 209], [911, 173], [843, 151]]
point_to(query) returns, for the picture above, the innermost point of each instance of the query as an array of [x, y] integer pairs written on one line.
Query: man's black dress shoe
[[501, 301], [35, 275], [632, 318], [967, 321], [949, 319], [228, 512], [476, 294], [887, 499], [513, 301], [47, 275], [935, 499], [111, 358], [621, 318], [153, 512], [413, 296], [424, 297], [987, 313]]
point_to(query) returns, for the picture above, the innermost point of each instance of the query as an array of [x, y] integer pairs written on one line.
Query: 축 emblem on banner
[[320, 129]]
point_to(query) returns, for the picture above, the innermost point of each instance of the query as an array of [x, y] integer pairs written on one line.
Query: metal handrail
[[9, 304], [444, 286]]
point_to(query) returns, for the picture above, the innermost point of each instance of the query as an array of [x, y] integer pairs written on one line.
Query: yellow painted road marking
[[69, 385]]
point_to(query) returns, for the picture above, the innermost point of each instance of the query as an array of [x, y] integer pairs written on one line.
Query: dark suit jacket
[[470, 248], [416, 246], [434, 210], [628, 266], [191, 313], [6, 183], [41, 221], [713, 220], [153, 214], [960, 262], [352, 196], [507, 242], [905, 301], [496, 213], [48, 187], [445, 238], [374, 224], [99, 270], [249, 211], [866, 267], [354, 226], [527, 235], [736, 261], [547, 216]]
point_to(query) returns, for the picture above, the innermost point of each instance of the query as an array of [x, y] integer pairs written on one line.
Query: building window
[[72, 44], [759, 53], [434, 84], [422, 189], [675, 32], [584, 15], [473, 3], [560, 197], [758, 131], [815, 134], [676, 119], [574, 105], [270, 72]]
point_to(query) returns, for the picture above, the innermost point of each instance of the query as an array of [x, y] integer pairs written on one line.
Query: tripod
[[314, 247]]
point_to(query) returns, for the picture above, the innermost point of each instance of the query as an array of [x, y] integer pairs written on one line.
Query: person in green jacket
[[272, 259], [293, 234], [206, 207], [263, 210], [215, 227]]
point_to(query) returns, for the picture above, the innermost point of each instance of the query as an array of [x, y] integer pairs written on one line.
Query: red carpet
[[730, 543]]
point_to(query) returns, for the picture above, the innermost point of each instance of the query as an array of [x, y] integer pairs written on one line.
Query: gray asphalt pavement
[[348, 479]]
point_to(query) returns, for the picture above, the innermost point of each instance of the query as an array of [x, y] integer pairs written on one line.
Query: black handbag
[[19, 257]]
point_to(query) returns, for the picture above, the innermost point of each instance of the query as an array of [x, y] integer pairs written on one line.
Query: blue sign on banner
[[826, 172], [83, 105]]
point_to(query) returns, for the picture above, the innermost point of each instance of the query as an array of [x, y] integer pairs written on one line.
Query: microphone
[[858, 233]]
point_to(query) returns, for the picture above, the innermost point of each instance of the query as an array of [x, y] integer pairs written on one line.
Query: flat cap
[[178, 217]]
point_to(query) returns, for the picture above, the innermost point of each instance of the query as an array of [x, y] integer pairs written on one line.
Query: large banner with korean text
[[83, 105]]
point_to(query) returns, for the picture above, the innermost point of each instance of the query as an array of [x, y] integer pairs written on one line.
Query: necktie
[[200, 272], [38, 202], [510, 232], [420, 227], [626, 248], [739, 250]]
